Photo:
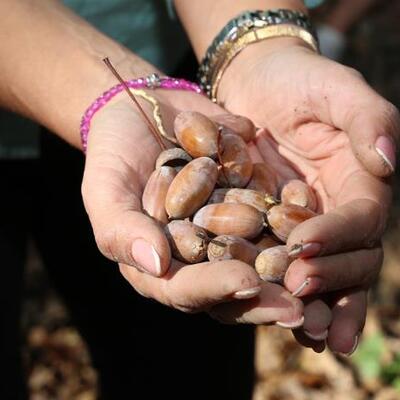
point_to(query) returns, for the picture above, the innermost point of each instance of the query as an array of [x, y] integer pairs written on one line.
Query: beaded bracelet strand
[[152, 81]]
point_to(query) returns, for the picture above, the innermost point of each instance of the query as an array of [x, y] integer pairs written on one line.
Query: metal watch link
[[238, 27]]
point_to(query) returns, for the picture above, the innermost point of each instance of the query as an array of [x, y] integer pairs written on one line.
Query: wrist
[[142, 95], [246, 64], [204, 19], [246, 29], [90, 85]]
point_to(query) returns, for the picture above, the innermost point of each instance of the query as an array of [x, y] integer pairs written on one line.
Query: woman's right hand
[[121, 155]]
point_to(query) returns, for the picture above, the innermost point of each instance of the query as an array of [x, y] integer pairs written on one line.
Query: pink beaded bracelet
[[153, 81]]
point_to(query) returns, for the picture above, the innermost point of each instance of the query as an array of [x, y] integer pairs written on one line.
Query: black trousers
[[141, 349]]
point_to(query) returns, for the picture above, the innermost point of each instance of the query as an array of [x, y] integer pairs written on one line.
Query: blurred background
[[364, 34]]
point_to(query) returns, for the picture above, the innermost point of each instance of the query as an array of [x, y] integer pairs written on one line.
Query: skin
[[315, 138], [116, 170], [116, 166], [322, 125]]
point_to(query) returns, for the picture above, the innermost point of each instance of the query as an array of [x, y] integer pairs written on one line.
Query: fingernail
[[305, 250], [313, 285], [291, 325], [317, 336], [386, 149], [354, 348], [301, 288], [247, 293], [146, 256]]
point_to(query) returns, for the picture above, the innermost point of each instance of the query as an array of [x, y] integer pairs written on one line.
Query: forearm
[[204, 19], [50, 64]]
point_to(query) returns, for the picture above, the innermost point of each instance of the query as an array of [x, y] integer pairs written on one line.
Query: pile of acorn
[[215, 203]]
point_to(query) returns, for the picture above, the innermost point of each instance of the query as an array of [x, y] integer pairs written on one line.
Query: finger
[[317, 318], [349, 313], [273, 305], [304, 340], [326, 274], [112, 188], [254, 153], [196, 287], [371, 122], [357, 224], [363, 202], [123, 233]]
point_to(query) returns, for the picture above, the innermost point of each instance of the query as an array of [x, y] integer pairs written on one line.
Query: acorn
[[283, 218], [174, 157], [240, 196], [197, 134], [299, 193], [236, 124], [266, 241], [236, 164], [272, 264], [188, 242], [230, 219], [227, 247], [155, 193], [191, 188]]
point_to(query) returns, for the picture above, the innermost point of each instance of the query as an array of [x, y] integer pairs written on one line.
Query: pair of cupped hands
[[323, 124]]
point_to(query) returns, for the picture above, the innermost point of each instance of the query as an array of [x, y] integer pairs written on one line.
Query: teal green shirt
[[147, 27]]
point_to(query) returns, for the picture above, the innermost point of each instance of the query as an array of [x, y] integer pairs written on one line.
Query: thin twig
[[153, 130]]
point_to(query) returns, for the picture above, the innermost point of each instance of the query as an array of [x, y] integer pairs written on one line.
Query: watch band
[[250, 27]]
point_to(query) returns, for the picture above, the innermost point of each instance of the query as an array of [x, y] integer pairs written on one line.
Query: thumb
[[371, 122], [123, 233]]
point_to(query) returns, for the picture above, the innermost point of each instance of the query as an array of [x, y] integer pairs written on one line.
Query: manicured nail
[[301, 288], [247, 293], [354, 348], [291, 325], [305, 250], [386, 149], [147, 257], [317, 336], [313, 285]]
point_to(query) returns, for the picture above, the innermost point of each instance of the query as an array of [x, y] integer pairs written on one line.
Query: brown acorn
[[266, 241], [191, 188], [272, 264], [174, 157], [237, 125], [197, 134], [230, 219], [239, 196], [188, 242], [226, 247], [298, 192], [236, 164], [284, 218], [264, 179], [155, 193]]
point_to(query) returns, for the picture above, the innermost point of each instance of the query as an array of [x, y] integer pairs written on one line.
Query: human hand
[[325, 125], [121, 155]]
